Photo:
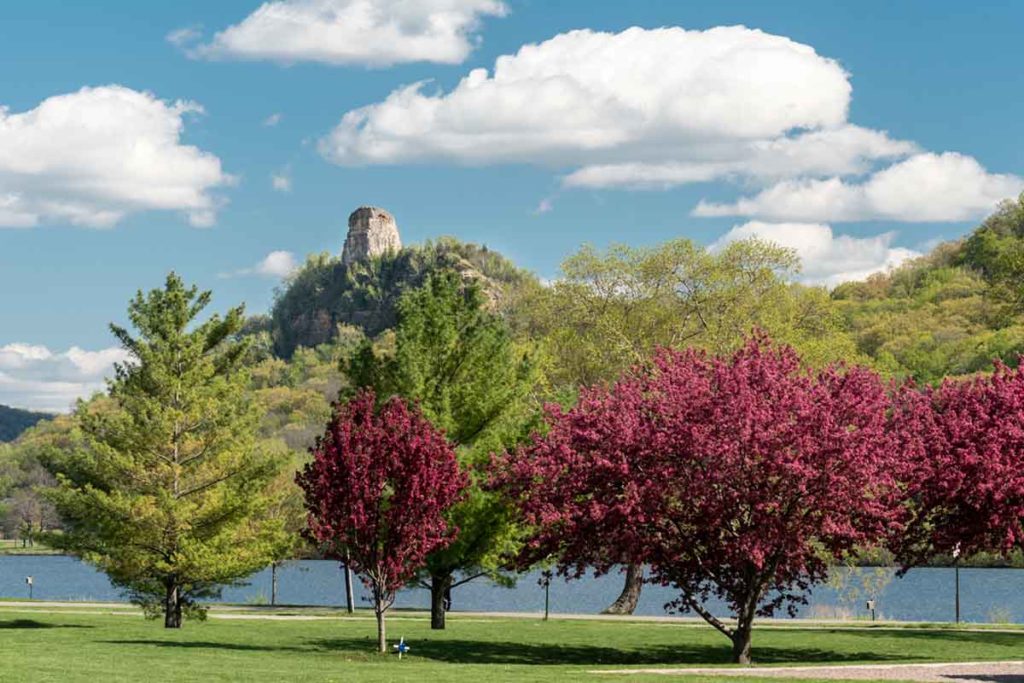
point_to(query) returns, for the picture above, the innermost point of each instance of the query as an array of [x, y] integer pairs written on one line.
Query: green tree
[[169, 493], [996, 250], [460, 363]]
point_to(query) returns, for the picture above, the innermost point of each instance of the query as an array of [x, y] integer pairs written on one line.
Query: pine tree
[[167, 495]]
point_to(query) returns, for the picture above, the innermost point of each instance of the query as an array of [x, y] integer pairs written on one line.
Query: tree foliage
[[611, 309], [947, 314], [457, 361], [964, 466], [168, 493], [377, 490], [740, 476]]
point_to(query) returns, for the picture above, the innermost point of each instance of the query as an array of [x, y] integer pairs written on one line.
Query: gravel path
[[962, 672]]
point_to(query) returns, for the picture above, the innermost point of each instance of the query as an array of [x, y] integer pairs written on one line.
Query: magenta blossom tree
[[964, 471], [740, 477], [376, 492], [582, 487]]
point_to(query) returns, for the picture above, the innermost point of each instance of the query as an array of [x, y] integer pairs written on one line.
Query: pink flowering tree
[[376, 492], [964, 468], [738, 477], [582, 487]]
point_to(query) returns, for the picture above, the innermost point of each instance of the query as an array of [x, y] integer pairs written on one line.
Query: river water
[[927, 594]]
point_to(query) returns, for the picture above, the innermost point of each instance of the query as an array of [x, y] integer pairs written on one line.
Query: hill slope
[[14, 421], [325, 293], [949, 313]]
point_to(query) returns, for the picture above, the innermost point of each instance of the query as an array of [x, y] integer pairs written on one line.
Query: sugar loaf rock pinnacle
[[371, 232]]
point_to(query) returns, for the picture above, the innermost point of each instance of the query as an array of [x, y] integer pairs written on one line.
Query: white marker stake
[[401, 647]]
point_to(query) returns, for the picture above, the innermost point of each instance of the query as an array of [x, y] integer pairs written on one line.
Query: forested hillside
[[948, 313], [14, 421], [326, 293]]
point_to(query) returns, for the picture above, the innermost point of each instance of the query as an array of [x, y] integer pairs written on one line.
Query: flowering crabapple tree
[[739, 477], [964, 473], [582, 487], [377, 490]]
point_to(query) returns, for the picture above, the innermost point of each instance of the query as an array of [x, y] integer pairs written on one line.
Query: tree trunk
[[172, 607], [630, 596], [349, 596], [273, 583], [741, 646], [382, 641], [741, 637], [440, 587]]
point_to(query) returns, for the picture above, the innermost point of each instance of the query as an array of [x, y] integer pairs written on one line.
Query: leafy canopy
[[457, 361], [167, 494]]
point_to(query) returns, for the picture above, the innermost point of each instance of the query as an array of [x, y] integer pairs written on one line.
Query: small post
[[871, 608], [29, 581], [547, 593], [956, 574]]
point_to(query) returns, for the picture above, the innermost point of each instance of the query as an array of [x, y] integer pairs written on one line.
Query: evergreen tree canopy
[[167, 494]]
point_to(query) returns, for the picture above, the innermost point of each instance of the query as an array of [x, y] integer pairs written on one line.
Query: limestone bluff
[[372, 231]]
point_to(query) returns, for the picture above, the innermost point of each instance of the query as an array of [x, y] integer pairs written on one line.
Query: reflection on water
[[923, 594]]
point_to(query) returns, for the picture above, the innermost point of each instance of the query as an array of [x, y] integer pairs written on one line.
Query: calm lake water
[[923, 594]]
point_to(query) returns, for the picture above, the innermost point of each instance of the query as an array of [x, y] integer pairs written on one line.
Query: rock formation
[[371, 232]]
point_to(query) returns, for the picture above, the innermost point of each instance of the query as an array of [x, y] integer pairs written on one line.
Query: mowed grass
[[36, 645]]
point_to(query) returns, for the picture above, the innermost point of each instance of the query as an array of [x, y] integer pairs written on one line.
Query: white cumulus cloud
[[658, 108], [36, 378], [276, 264], [93, 156], [826, 258], [845, 150], [582, 97], [924, 188], [367, 32]]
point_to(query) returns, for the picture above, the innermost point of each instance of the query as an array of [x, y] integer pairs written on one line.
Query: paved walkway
[[962, 672]]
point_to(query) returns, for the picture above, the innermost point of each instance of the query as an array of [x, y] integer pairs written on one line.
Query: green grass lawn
[[11, 546], [40, 646]]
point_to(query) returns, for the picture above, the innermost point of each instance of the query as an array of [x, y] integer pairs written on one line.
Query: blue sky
[[534, 171]]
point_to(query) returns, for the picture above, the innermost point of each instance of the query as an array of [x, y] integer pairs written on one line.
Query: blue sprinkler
[[401, 647]]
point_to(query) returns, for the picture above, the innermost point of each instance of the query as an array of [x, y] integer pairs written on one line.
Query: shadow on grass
[[951, 636], [490, 652], [209, 645], [467, 651], [31, 623]]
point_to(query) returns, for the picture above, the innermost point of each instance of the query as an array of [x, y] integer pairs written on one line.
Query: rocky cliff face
[[371, 232]]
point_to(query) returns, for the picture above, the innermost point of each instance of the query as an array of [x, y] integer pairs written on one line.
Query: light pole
[[956, 574], [547, 593]]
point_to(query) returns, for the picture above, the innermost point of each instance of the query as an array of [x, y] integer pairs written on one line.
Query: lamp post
[[547, 593], [956, 574]]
